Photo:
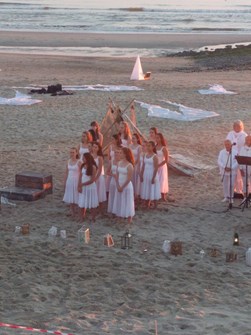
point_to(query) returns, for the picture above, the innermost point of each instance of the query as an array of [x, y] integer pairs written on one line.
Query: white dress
[[71, 187], [100, 182], [112, 188], [124, 142], [162, 172], [123, 205], [82, 151], [135, 175], [140, 165], [148, 190], [88, 198]]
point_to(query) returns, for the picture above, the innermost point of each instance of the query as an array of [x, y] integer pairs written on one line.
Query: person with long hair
[[115, 144], [150, 187], [88, 197], [97, 136], [71, 195], [135, 146], [83, 147], [139, 167], [153, 131], [113, 185], [125, 134], [123, 205], [100, 175], [163, 155]]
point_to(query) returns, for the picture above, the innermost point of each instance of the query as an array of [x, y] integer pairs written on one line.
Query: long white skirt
[[148, 190], [123, 205], [163, 179], [88, 198], [71, 195], [101, 188], [111, 196]]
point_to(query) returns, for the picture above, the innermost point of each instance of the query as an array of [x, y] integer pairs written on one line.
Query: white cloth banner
[[215, 89], [19, 100], [98, 87], [184, 113]]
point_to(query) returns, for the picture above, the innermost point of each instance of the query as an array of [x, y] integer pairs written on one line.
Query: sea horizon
[[127, 17]]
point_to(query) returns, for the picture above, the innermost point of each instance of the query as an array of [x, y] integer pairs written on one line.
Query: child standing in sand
[[72, 173], [150, 186], [88, 197], [162, 153], [123, 204], [100, 176]]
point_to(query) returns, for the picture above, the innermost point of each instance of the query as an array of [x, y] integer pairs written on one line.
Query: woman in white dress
[[100, 175], [88, 195], [115, 144], [136, 151], [125, 134], [162, 153], [71, 181], [140, 165], [123, 205], [150, 186], [97, 136], [83, 147], [113, 184]]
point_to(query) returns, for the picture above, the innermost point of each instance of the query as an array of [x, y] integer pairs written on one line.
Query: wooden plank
[[23, 194]]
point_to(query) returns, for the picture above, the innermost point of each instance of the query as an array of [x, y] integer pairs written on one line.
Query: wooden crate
[[20, 193], [34, 180]]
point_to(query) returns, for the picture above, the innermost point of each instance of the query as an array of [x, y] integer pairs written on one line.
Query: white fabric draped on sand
[[215, 89], [98, 87], [184, 113], [19, 100]]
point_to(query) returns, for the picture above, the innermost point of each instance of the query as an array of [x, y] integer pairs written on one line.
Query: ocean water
[[144, 16]]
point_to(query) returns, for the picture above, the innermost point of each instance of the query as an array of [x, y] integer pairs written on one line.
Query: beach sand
[[92, 289]]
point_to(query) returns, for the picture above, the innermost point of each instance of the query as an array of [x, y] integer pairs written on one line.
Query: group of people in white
[[136, 171], [235, 177]]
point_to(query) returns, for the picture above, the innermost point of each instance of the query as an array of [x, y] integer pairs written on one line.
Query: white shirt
[[224, 160], [238, 138]]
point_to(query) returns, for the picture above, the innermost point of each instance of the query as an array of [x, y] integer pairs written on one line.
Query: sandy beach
[[92, 289]]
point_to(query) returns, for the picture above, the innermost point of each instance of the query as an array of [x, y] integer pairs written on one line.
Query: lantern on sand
[[126, 240]]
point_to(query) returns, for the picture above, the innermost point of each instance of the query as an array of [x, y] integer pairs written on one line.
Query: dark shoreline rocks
[[229, 58]]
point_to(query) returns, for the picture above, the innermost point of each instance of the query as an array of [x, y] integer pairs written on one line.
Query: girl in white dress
[[97, 136], [125, 134], [162, 153], [136, 151], [123, 205], [88, 197], [83, 147], [71, 181], [150, 187], [100, 175], [113, 185], [139, 167], [115, 144]]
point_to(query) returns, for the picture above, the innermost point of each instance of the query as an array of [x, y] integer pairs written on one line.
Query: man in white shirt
[[228, 167]]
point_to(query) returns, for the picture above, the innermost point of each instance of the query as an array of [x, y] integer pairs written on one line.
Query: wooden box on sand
[[29, 186]]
